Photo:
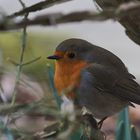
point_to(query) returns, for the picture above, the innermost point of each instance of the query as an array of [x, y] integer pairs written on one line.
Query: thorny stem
[[19, 67]]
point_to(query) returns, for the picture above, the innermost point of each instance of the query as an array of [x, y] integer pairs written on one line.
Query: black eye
[[71, 55]]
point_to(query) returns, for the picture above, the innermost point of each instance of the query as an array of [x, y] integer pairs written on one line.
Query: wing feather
[[119, 84]]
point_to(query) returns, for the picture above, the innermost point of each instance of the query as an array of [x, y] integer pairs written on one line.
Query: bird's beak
[[56, 57]]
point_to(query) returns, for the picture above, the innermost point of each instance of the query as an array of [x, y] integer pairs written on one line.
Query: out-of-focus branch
[[131, 22], [59, 18], [119, 13], [126, 13], [48, 20], [38, 6]]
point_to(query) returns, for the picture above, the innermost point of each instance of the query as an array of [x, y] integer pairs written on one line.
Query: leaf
[[123, 127]]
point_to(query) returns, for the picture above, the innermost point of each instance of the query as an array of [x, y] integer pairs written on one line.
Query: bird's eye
[[71, 55]]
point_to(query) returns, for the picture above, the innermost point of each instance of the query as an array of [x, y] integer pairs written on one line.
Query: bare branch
[[23, 46], [38, 6], [59, 18], [127, 14], [55, 19]]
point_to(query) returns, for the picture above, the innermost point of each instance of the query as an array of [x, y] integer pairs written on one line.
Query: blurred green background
[[38, 45]]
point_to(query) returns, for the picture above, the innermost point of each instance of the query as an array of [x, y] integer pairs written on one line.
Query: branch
[[127, 14], [38, 6], [59, 18], [48, 20], [131, 22], [23, 46]]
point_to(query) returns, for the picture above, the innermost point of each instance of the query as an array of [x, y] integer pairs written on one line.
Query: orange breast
[[67, 75]]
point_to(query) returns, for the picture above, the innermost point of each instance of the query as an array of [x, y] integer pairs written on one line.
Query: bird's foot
[[90, 121], [91, 128]]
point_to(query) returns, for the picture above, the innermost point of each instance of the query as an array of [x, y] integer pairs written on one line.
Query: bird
[[98, 79]]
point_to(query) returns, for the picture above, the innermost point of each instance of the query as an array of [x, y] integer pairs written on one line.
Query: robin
[[100, 79]]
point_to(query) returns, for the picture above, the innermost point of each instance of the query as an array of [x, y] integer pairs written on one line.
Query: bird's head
[[70, 58], [72, 51]]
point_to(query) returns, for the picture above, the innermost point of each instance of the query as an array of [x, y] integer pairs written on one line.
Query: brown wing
[[107, 79]]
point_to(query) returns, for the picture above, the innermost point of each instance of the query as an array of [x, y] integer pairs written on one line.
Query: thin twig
[[22, 3], [32, 61], [19, 67], [23, 64]]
